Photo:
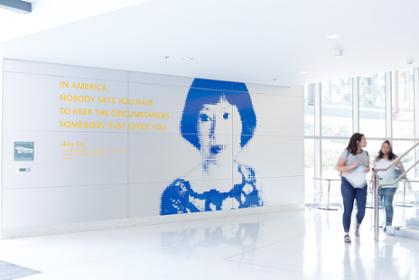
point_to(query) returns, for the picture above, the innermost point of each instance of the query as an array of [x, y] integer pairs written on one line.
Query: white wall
[[1, 141], [112, 174]]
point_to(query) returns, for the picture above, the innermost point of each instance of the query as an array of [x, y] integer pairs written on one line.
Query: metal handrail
[[338, 180], [399, 179], [328, 192], [401, 176], [329, 180], [370, 181]]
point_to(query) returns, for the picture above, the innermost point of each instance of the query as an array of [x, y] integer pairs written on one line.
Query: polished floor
[[288, 245]]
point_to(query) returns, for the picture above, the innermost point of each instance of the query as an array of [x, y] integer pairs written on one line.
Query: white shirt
[[386, 177], [358, 176]]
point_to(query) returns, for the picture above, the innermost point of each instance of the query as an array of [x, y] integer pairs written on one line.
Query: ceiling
[[48, 14], [264, 41]]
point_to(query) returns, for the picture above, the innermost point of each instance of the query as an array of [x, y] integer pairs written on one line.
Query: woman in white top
[[385, 158]]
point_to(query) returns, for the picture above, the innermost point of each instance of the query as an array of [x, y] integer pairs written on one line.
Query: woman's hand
[[354, 165], [342, 167]]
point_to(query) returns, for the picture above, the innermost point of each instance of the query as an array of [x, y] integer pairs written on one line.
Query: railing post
[[328, 195], [376, 207]]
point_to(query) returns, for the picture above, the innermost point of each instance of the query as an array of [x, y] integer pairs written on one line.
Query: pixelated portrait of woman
[[213, 111]]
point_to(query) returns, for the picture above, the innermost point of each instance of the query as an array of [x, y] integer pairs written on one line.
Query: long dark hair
[[391, 155], [353, 143], [203, 91]]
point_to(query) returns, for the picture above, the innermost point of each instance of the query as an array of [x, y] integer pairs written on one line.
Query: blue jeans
[[349, 194], [386, 198]]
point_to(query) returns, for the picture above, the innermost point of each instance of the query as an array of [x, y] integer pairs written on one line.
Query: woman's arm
[[342, 167], [367, 168], [402, 170], [401, 166]]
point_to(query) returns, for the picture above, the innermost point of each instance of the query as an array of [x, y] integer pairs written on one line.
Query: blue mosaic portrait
[[214, 113]]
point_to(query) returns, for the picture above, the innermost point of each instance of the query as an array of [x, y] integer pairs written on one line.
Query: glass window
[[336, 108], [331, 150], [336, 115], [309, 169], [403, 104], [372, 101], [401, 146], [309, 100], [373, 147]]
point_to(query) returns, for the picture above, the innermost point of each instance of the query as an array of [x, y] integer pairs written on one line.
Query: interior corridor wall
[[1, 139], [82, 145]]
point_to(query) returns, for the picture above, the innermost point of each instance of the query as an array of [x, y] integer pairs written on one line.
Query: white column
[[1, 141], [416, 115], [317, 134], [389, 117], [355, 105], [416, 102]]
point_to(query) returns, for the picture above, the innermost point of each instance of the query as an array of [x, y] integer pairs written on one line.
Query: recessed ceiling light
[[333, 36]]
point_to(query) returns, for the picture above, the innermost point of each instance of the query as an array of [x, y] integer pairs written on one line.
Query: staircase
[[412, 228]]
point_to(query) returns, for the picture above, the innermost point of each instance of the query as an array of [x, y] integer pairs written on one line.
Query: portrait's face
[[215, 129]]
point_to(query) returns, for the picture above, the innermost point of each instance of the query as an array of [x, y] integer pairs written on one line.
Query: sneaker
[[347, 238], [357, 230], [390, 230]]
